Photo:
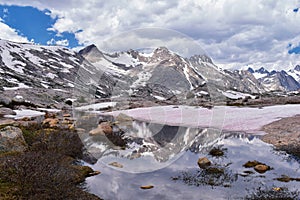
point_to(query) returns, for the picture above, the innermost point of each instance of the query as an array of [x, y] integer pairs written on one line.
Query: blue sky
[[235, 33], [34, 24]]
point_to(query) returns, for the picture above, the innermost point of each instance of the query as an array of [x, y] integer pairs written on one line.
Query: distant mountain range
[[278, 80], [60, 73]]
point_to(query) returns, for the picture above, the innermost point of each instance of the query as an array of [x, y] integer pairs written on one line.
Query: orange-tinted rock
[[116, 164], [261, 168], [204, 162], [251, 163], [67, 115], [147, 187], [51, 122], [103, 128]]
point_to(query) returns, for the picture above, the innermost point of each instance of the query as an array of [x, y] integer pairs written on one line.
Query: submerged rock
[[147, 187], [215, 170], [11, 139], [262, 168], [258, 166], [216, 152], [250, 164], [203, 162], [116, 164], [246, 173], [286, 179]]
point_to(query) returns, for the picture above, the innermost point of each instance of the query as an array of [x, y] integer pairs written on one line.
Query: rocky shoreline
[[41, 159], [284, 134]]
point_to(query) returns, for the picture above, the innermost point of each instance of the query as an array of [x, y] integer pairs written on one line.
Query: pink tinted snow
[[244, 119]]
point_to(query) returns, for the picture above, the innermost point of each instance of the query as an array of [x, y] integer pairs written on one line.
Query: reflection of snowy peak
[[159, 141]]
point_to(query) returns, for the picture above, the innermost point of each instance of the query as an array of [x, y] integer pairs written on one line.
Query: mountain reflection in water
[[166, 157]]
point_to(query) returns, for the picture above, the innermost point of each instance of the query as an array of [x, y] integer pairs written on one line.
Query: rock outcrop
[[11, 139]]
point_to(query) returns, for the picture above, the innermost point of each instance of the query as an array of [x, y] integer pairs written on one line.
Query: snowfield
[[244, 119]]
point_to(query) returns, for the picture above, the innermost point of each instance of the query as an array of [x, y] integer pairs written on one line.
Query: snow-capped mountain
[[163, 74], [52, 74], [278, 80], [46, 69], [295, 73]]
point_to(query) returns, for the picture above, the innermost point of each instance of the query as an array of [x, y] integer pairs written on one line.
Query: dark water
[[166, 157]]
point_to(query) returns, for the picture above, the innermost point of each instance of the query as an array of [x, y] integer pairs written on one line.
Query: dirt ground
[[284, 134]]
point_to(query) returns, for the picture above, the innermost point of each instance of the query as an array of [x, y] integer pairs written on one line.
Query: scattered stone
[[11, 139], [28, 123], [204, 162], [246, 173], [286, 179], [50, 115], [262, 168], [215, 170], [147, 187], [6, 111], [97, 131], [67, 115], [226, 185], [258, 166], [216, 152], [5, 100], [89, 158], [71, 126], [123, 119], [253, 163], [94, 173], [277, 189], [26, 119], [51, 122], [116, 164], [66, 122], [102, 129], [7, 122]]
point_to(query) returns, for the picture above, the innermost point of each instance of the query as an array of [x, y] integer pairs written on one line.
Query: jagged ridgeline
[[51, 74]]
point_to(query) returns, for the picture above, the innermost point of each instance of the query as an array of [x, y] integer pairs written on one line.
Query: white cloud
[[8, 33], [232, 32], [64, 42]]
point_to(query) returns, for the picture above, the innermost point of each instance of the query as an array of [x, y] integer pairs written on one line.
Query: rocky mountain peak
[[160, 50], [92, 53], [88, 49], [201, 58], [133, 53], [250, 70], [162, 54], [277, 80], [262, 70], [297, 68]]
